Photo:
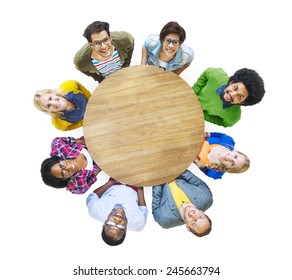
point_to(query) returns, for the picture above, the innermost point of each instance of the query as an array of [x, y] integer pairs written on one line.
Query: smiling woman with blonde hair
[[217, 156], [65, 105]]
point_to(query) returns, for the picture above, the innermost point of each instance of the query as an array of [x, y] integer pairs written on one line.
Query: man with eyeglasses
[[105, 52], [120, 207]]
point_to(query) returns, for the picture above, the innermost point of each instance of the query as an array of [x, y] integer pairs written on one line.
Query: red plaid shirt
[[67, 148]]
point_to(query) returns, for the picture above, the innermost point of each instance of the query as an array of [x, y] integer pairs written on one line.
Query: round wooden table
[[143, 126]]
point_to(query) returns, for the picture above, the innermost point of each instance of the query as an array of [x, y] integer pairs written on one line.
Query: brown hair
[[172, 27]]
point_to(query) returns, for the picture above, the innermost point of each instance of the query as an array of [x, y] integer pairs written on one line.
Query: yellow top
[[76, 87], [178, 194]]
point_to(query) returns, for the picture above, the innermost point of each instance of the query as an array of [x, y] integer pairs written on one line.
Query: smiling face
[[170, 45], [194, 218], [116, 224], [101, 45], [232, 160], [51, 102], [235, 93], [64, 169]]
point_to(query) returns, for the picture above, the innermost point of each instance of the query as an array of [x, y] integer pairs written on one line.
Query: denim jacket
[[184, 54]]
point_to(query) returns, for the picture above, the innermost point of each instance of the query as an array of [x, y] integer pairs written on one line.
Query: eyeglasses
[[168, 41], [97, 44], [63, 166], [113, 224]]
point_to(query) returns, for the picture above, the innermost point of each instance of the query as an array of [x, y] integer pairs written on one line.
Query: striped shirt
[[108, 66]]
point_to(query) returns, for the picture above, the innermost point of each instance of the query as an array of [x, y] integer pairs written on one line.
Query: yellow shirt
[[178, 194], [76, 87]]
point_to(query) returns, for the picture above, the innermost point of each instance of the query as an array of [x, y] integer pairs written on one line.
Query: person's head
[[95, 28], [171, 36], [197, 222], [50, 101], [115, 227], [57, 172], [245, 88], [99, 38], [230, 161]]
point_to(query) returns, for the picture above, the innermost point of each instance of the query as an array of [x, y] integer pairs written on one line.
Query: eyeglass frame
[[169, 41], [63, 167], [98, 44]]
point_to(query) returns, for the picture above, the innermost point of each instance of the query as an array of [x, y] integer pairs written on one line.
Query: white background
[[46, 233]]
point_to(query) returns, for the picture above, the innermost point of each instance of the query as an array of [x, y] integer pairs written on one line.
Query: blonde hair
[[42, 92], [244, 167]]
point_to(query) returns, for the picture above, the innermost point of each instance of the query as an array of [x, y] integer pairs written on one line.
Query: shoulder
[[122, 36], [69, 85], [187, 51], [216, 72], [151, 41], [84, 52]]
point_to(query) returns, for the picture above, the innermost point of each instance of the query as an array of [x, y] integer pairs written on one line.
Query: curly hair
[[253, 83], [96, 27]]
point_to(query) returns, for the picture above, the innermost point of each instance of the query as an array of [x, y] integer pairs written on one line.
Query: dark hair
[[172, 28], [205, 232], [111, 241], [48, 178], [253, 83], [95, 27]]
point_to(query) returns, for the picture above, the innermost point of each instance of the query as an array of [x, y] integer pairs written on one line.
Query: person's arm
[[189, 177], [201, 82], [179, 70], [101, 190], [157, 213], [144, 57], [61, 145], [129, 50], [141, 198], [221, 138], [81, 141]]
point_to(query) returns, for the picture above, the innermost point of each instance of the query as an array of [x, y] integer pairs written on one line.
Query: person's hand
[[81, 141], [207, 134]]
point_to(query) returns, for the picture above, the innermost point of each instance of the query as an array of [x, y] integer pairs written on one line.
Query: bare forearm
[[141, 198], [100, 191]]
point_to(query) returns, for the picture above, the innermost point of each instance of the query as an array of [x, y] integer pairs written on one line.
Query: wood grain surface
[[143, 126]]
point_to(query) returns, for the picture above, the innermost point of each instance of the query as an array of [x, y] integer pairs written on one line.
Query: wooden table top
[[143, 126]]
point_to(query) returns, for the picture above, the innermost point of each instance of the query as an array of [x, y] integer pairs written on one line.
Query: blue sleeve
[[221, 138], [212, 173]]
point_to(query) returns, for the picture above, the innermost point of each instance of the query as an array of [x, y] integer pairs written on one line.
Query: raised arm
[[144, 57], [100, 191], [141, 198], [179, 70]]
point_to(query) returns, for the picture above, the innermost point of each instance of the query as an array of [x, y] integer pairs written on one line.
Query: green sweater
[[205, 88], [123, 43]]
